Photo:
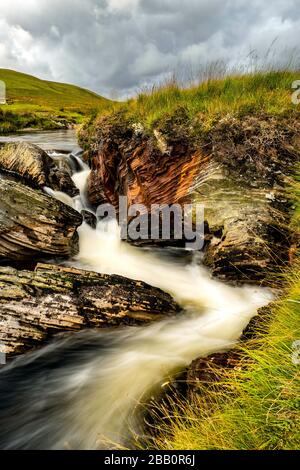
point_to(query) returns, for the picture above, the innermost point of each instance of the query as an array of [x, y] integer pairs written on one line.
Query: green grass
[[256, 406], [36, 103], [267, 92]]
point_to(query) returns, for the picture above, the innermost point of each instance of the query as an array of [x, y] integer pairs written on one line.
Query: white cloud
[[121, 5], [55, 31], [122, 44], [153, 62]]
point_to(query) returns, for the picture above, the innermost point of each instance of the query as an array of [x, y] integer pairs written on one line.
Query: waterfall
[[83, 391]]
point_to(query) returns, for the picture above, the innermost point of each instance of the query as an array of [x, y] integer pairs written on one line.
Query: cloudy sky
[[119, 46]]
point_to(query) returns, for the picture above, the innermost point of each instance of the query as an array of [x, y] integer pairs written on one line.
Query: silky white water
[[82, 392]]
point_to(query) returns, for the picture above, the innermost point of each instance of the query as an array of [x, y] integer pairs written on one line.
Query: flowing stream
[[83, 391]]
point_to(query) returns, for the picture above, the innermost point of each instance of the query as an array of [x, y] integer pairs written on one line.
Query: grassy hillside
[[32, 102]]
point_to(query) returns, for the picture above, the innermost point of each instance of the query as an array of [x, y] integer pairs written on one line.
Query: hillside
[[36, 103]]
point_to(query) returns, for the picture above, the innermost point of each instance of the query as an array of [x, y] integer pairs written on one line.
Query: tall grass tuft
[[262, 92]]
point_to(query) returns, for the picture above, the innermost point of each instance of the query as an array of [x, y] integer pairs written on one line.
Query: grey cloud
[[124, 44]]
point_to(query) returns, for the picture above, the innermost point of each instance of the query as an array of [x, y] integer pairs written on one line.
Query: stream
[[85, 390]]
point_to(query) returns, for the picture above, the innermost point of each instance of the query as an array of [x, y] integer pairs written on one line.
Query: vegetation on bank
[[40, 104], [267, 93], [255, 405]]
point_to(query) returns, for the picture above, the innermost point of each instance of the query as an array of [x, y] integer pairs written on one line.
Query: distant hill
[[28, 90], [36, 103]]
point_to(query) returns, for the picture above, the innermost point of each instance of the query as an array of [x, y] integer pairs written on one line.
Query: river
[[63, 140], [86, 390]]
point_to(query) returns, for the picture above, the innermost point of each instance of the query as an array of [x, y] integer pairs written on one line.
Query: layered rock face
[[148, 169], [35, 305], [34, 167], [34, 225], [238, 169]]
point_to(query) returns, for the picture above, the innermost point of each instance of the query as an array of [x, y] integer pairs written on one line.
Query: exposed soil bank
[[239, 169]]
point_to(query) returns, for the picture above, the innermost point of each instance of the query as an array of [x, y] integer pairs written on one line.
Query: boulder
[[31, 165], [249, 232], [34, 225], [35, 305]]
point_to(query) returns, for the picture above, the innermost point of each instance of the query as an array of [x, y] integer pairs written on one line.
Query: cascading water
[[83, 391]]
